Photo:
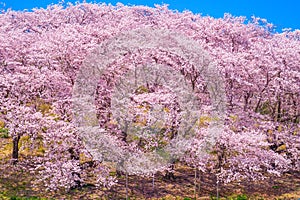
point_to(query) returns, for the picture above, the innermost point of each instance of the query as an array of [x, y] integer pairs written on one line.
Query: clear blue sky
[[283, 14]]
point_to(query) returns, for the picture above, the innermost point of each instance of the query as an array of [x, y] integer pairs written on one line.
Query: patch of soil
[[206, 187], [16, 181]]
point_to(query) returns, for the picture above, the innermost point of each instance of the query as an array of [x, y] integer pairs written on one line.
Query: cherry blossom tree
[[43, 51]]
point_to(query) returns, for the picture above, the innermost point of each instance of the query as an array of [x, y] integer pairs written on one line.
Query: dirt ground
[[284, 187], [15, 181]]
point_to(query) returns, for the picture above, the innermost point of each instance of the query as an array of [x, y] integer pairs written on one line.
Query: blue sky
[[283, 14]]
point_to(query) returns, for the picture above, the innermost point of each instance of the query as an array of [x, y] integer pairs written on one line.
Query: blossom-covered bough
[[149, 80]]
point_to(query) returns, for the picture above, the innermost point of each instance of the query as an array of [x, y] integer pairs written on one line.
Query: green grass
[[234, 197], [4, 133], [241, 197], [26, 198], [5, 196]]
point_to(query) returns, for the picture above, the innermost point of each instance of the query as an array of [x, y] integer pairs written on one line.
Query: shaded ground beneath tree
[[15, 181], [284, 187]]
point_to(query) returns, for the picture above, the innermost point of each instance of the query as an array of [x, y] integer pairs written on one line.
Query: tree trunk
[[126, 186], [170, 175], [195, 184], [153, 182], [15, 153], [278, 117], [217, 190]]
